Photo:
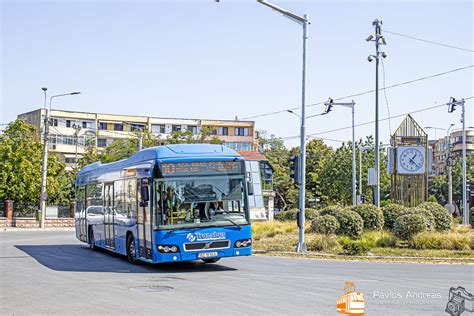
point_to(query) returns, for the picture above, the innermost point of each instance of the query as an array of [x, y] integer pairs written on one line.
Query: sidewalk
[[36, 229]]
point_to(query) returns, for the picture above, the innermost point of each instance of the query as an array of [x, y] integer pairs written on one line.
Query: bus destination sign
[[202, 167]]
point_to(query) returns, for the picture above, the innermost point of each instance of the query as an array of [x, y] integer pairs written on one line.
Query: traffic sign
[[44, 196]]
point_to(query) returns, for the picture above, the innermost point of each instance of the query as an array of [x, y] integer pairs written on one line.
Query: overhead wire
[[364, 93], [430, 42], [372, 122]]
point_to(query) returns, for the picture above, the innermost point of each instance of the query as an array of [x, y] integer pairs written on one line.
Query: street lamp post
[[351, 105], [451, 107], [44, 172], [304, 22], [379, 40]]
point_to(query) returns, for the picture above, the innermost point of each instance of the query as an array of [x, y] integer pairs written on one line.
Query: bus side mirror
[[249, 188], [145, 196]]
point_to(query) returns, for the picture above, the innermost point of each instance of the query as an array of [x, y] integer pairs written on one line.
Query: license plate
[[207, 254]]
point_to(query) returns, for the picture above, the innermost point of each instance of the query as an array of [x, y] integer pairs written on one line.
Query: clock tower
[[409, 164]]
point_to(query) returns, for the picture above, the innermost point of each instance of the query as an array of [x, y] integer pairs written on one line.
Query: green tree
[[21, 164], [279, 157]]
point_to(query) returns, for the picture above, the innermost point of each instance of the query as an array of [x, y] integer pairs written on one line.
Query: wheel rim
[[131, 249]]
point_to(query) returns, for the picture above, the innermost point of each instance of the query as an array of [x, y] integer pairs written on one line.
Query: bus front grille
[[207, 245]]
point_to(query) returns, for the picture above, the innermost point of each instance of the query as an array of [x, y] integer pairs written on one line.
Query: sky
[[219, 60]]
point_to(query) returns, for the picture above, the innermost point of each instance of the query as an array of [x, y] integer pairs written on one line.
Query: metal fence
[[2, 208], [24, 209], [65, 211]]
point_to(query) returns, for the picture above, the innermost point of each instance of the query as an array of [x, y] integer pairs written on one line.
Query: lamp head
[[370, 58], [384, 54], [73, 93], [369, 38], [44, 89]]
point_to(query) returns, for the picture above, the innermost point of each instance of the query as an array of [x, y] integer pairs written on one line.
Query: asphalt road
[[53, 273]]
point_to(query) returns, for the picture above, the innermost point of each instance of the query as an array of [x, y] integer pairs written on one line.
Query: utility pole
[[379, 40], [304, 22], [44, 171], [43, 196], [76, 136], [351, 105], [451, 108]]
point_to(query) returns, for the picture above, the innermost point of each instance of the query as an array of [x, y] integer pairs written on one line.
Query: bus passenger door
[[109, 215], [144, 220]]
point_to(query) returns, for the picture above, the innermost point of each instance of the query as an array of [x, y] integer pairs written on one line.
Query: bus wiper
[[235, 224]]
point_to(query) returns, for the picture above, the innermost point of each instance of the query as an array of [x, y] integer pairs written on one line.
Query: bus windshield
[[200, 202]]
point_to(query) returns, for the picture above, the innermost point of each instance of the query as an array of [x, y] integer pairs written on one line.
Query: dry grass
[[448, 241]]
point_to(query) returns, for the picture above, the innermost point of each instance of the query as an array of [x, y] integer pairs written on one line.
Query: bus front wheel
[[213, 260], [131, 250]]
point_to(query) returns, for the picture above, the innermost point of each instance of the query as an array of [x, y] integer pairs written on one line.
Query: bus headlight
[[167, 248], [243, 243]]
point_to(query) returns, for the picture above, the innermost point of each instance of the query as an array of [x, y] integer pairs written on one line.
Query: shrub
[[437, 240], [427, 215], [350, 223], [310, 213], [324, 243], [355, 248], [390, 214], [291, 215], [442, 217], [471, 211], [371, 215], [331, 210], [286, 216], [408, 225], [326, 225], [433, 199]]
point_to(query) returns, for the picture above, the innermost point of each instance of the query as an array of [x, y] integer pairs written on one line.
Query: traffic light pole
[[464, 179], [301, 246]]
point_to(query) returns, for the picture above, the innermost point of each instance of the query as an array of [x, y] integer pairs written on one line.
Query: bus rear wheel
[[213, 260], [91, 239], [131, 250]]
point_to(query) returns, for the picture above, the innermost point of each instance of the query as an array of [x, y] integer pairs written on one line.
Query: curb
[[311, 254]]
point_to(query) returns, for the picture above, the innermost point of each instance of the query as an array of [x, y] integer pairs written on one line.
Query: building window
[[118, 127], [135, 127], [266, 173], [68, 123], [86, 125], [223, 131], [214, 131], [175, 128], [69, 160], [158, 129], [239, 145], [193, 129], [101, 142], [241, 131], [54, 122], [102, 125]]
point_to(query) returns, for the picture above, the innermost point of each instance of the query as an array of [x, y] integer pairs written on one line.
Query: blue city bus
[[166, 204]]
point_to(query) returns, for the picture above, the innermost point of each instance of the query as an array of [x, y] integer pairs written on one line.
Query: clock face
[[412, 160]]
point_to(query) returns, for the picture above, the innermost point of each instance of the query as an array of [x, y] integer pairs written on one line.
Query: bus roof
[[180, 152]]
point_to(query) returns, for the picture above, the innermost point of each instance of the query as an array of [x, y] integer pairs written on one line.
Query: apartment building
[[451, 146], [70, 131]]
